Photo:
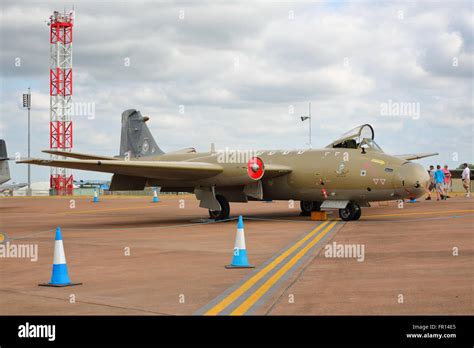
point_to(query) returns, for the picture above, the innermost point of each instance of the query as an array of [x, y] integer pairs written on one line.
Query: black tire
[[308, 206], [358, 212], [317, 206], [225, 209], [351, 212]]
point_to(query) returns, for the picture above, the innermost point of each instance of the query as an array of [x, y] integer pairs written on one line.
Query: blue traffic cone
[[240, 252], [155, 196], [59, 276], [96, 197]]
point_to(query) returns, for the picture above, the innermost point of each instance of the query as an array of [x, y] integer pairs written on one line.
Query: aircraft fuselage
[[317, 175]]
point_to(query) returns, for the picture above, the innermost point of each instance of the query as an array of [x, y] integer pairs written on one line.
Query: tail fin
[[4, 168], [136, 137]]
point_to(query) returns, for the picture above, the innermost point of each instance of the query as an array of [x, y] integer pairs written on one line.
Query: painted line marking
[[259, 275], [252, 299], [91, 211], [424, 213], [87, 211]]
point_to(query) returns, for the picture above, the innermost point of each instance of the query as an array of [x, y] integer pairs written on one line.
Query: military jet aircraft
[[346, 175]]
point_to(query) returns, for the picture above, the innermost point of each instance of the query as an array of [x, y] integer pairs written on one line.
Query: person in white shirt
[[466, 180]]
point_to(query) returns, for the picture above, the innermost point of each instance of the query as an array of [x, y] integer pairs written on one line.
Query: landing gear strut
[[351, 212], [308, 206], [225, 209]]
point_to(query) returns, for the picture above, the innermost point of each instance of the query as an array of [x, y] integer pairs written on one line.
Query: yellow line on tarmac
[[250, 301], [424, 213], [254, 279]]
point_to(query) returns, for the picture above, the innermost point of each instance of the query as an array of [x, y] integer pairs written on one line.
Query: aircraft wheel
[[358, 212], [317, 206], [351, 212], [306, 208], [224, 212]]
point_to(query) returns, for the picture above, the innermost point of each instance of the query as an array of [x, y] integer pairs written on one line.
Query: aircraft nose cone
[[414, 178]]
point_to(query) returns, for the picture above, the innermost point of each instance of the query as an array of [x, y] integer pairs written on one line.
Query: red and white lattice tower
[[60, 91]]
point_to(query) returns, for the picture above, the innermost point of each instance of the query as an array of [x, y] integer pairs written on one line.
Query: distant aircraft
[[7, 189], [347, 174], [5, 171]]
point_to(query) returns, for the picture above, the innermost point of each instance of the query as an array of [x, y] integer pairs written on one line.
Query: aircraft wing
[[415, 156], [79, 155], [165, 170]]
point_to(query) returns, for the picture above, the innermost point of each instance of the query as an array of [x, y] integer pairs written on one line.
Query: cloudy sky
[[241, 74]]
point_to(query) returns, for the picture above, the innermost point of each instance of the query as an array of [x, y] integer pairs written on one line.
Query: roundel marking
[[255, 168], [145, 146]]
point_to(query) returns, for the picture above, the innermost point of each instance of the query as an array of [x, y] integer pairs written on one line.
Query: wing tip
[[26, 160]]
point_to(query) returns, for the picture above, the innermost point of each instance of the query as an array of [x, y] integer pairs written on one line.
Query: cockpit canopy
[[359, 137]]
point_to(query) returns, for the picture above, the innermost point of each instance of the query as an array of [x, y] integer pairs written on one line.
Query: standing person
[[439, 179], [447, 180], [431, 184], [466, 180]]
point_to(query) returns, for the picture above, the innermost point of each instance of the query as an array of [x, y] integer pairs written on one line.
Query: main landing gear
[[225, 209], [351, 212], [308, 206]]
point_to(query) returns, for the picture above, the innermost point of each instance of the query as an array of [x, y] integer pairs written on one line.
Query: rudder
[[136, 139]]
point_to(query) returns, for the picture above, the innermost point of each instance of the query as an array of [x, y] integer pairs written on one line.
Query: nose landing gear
[[351, 212], [225, 209]]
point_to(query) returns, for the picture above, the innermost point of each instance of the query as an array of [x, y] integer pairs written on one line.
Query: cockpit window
[[371, 144], [362, 136], [347, 144]]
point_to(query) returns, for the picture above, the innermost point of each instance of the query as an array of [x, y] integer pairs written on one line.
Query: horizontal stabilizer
[[165, 170], [78, 155], [182, 151], [415, 156]]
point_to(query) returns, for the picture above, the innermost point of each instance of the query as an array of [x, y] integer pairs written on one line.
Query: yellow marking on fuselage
[[377, 161]]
